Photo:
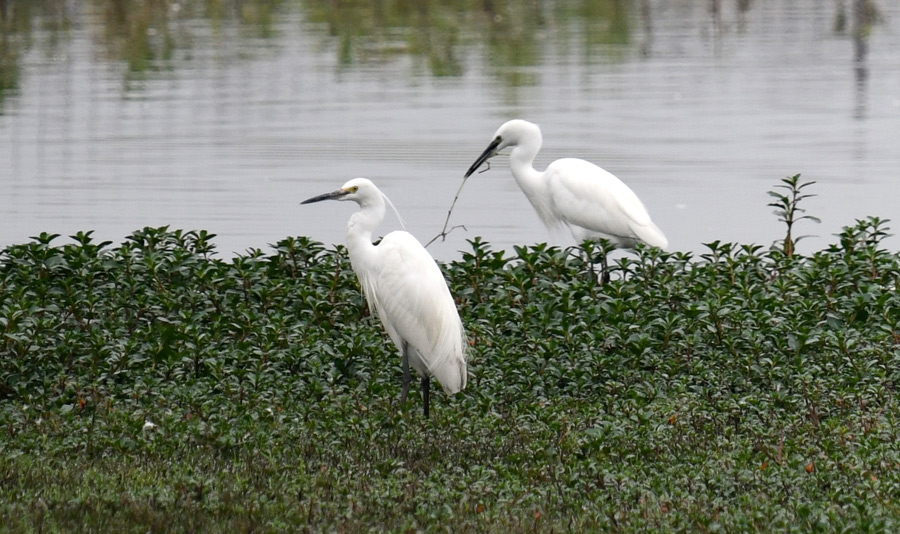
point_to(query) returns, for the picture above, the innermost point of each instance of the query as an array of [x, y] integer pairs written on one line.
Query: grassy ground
[[149, 387]]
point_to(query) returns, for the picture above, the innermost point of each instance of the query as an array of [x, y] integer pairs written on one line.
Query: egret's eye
[[353, 189]]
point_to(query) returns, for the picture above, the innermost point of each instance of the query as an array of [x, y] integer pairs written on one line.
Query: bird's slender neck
[[521, 163], [360, 228]]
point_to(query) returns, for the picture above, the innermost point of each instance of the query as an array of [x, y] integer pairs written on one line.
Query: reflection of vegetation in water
[[9, 61], [513, 31], [602, 23], [376, 31], [150, 35], [146, 33], [16, 25], [436, 38], [864, 14], [138, 32]]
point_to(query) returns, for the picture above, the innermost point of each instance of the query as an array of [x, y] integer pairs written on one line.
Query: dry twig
[[445, 231]]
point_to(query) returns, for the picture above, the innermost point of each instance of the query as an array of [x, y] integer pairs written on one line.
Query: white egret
[[590, 201], [405, 287]]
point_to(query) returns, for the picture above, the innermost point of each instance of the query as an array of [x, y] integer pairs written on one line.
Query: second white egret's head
[[511, 133]]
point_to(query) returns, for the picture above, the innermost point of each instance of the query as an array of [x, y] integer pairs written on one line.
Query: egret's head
[[511, 133], [358, 190], [363, 192]]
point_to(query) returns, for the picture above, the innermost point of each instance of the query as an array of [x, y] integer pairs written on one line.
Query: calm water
[[225, 115]]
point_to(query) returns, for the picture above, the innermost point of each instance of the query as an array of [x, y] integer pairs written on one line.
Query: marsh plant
[[787, 208], [152, 386]]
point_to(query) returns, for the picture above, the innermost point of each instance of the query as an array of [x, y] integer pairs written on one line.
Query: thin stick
[[444, 232]]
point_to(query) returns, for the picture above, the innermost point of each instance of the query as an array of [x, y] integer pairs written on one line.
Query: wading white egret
[[572, 192], [405, 287]]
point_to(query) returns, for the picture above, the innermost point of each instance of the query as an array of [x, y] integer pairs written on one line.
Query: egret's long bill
[[334, 195], [488, 153]]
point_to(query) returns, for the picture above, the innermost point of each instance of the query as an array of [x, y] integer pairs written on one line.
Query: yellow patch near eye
[[352, 189]]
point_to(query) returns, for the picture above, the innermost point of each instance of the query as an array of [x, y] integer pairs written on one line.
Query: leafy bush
[[152, 386]]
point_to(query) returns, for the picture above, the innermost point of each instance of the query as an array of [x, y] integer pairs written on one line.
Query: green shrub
[[154, 387]]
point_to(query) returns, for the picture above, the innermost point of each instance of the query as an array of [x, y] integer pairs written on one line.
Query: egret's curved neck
[[360, 227], [521, 162]]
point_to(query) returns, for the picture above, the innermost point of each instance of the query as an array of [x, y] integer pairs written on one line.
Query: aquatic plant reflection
[[146, 34], [16, 29], [514, 38], [864, 15], [514, 34]]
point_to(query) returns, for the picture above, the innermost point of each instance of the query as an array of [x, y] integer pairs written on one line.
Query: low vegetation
[[151, 387]]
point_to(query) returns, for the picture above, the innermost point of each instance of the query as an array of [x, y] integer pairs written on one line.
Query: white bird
[[590, 201], [405, 287]]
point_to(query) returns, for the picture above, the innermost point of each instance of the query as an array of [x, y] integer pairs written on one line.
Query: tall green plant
[[788, 211]]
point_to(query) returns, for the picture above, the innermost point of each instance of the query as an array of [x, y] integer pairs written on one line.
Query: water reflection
[[513, 32], [138, 33], [147, 34], [865, 15], [685, 99], [16, 21], [144, 34], [372, 32], [9, 65]]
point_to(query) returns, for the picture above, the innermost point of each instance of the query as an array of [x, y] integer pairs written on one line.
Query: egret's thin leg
[[604, 267], [426, 386], [592, 276], [405, 360], [604, 272]]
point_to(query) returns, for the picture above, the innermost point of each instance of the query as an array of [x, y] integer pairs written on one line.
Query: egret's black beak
[[488, 153], [334, 195]]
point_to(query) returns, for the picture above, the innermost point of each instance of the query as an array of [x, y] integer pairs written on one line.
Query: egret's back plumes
[[394, 209]]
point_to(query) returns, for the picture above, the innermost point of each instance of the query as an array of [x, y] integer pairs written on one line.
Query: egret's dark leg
[[604, 269], [405, 360], [600, 257], [589, 261], [426, 386], [591, 274]]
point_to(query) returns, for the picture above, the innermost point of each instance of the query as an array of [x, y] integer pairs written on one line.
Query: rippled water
[[226, 125]]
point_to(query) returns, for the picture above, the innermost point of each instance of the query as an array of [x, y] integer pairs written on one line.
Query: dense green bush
[[152, 386]]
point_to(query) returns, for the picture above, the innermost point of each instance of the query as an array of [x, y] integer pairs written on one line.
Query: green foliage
[[747, 389], [787, 208]]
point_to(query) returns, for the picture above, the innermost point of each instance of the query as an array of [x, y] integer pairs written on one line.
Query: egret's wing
[[590, 197], [414, 303]]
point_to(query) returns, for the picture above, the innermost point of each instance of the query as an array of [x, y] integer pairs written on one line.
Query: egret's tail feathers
[[447, 356], [464, 372], [452, 375], [653, 236]]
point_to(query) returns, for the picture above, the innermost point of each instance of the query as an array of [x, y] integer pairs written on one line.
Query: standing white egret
[[407, 290], [572, 192]]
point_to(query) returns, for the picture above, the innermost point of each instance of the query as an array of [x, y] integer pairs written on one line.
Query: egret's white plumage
[[574, 193], [406, 289]]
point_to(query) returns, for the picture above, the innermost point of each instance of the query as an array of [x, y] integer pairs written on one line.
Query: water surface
[[223, 116]]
